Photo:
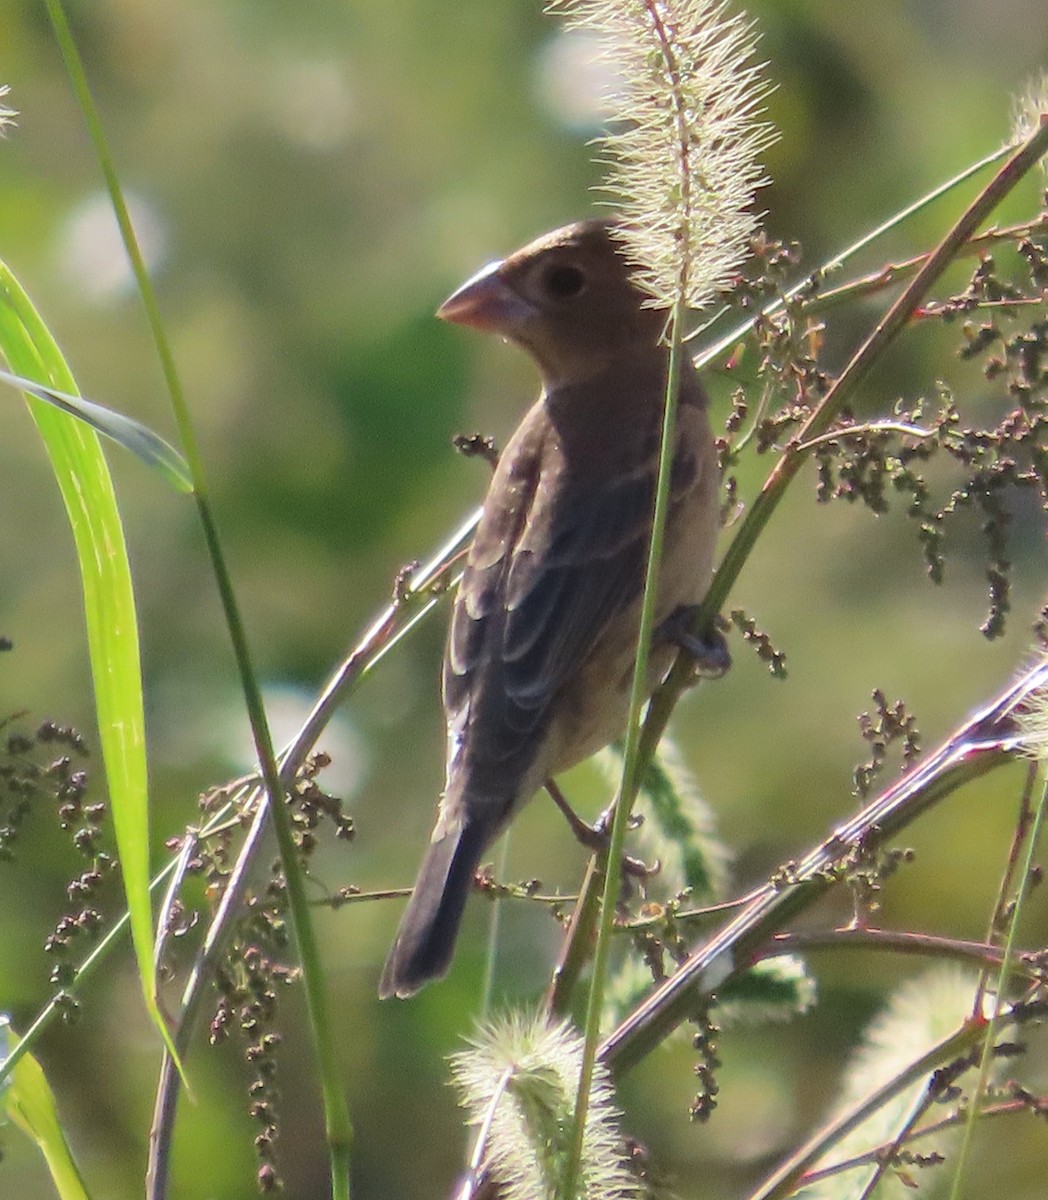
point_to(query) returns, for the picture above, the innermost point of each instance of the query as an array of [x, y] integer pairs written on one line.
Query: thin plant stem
[[993, 1025], [336, 1112], [870, 427], [1008, 1108], [987, 740], [87, 968], [161, 1133], [1020, 161], [727, 341], [413, 600], [893, 941], [424, 587], [487, 989], [1004, 891], [577, 940], [53, 1009], [630, 776], [918, 1108], [785, 1180], [877, 281]]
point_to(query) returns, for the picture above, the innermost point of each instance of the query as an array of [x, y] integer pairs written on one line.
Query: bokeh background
[[309, 181]]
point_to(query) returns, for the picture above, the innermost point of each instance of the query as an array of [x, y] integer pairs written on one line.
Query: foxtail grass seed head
[[1033, 727], [1030, 111], [686, 138], [7, 115], [920, 1013], [518, 1082]]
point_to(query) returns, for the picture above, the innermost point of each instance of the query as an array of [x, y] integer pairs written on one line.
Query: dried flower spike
[[684, 157], [518, 1081], [7, 115], [1030, 110], [1033, 726]]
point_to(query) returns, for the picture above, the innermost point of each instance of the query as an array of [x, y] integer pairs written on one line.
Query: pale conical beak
[[486, 302]]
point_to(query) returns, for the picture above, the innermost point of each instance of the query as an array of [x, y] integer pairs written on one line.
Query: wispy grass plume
[[1030, 110], [518, 1080], [7, 115], [686, 139], [919, 1014], [1032, 722], [679, 829]]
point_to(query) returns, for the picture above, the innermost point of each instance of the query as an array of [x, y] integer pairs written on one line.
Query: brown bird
[[544, 627]]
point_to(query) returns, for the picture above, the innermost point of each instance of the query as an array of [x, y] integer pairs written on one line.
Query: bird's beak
[[486, 302]]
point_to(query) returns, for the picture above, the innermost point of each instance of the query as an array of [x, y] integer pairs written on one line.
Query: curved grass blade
[[142, 442], [109, 607], [30, 1104]]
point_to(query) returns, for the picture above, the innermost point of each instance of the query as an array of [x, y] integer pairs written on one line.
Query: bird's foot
[[708, 651], [596, 837]]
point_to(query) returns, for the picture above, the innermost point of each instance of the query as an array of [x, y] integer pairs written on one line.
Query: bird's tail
[[425, 941]]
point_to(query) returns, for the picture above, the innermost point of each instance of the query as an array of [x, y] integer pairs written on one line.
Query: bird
[[544, 626]]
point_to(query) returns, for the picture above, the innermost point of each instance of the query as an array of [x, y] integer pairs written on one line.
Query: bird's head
[[567, 298]]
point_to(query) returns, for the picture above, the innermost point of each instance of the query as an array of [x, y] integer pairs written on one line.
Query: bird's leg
[[708, 651], [596, 837]]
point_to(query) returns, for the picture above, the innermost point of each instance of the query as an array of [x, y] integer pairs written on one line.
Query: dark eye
[[564, 282]]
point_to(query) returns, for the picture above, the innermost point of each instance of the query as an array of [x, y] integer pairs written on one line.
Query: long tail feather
[[425, 941]]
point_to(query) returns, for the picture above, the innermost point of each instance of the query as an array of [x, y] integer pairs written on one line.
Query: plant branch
[[1004, 891], [811, 282], [926, 945], [984, 742], [877, 281], [412, 600], [883, 1151], [784, 1181], [887, 329], [997, 1014], [631, 769]]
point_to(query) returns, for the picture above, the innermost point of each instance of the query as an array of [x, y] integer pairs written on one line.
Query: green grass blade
[[139, 440], [30, 1104], [109, 606]]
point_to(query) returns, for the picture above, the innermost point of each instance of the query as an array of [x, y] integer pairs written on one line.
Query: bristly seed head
[[684, 157], [518, 1081], [1030, 111], [1033, 727], [7, 115]]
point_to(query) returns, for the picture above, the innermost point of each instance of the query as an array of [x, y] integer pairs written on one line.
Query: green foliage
[[351, 168], [109, 607], [28, 1101]]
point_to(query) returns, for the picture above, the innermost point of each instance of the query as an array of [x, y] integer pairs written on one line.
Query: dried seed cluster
[[41, 769]]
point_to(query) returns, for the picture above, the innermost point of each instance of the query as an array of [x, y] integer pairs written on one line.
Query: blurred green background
[[309, 182]]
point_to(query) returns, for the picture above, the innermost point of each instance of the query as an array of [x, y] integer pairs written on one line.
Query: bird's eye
[[564, 282]]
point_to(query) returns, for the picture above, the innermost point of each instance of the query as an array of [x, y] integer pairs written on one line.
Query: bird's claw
[[596, 837], [708, 651]]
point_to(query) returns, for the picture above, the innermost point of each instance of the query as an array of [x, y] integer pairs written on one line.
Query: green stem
[[575, 948], [993, 1025], [487, 990], [785, 1180], [630, 773], [337, 1123], [984, 742], [731, 339], [857, 370], [87, 968]]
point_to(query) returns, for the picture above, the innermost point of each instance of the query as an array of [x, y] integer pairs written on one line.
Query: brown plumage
[[544, 627]]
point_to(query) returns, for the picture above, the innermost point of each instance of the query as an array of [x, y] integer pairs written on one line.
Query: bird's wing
[[526, 618]]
